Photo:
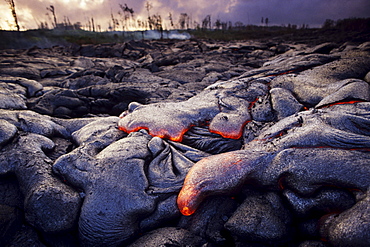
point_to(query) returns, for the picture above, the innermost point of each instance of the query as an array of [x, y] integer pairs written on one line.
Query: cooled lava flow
[[225, 112], [167, 120], [217, 174], [339, 127]]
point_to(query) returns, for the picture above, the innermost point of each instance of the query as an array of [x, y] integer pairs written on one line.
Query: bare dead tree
[[218, 24], [89, 24], [77, 26], [43, 25], [12, 8], [49, 18], [148, 7], [206, 22], [328, 24], [65, 24], [156, 22], [238, 25], [184, 20], [230, 25], [128, 15], [171, 20], [114, 21], [93, 24], [224, 25], [52, 10]]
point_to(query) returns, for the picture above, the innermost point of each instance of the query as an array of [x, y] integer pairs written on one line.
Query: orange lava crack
[[343, 103]]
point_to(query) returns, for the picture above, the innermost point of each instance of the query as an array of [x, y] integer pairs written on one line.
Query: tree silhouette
[[171, 20], [218, 24], [206, 22], [148, 7], [43, 25], [12, 8], [93, 24], [115, 22], [328, 24], [128, 15], [238, 25], [52, 10], [184, 20]]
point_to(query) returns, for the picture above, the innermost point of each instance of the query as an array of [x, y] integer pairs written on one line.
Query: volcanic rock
[[284, 103], [49, 204], [7, 132], [169, 236], [12, 97], [350, 228], [10, 222], [24, 72], [279, 132], [261, 218]]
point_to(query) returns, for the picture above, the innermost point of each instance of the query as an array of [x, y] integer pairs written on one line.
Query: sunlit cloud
[[26, 16], [314, 12], [230, 6]]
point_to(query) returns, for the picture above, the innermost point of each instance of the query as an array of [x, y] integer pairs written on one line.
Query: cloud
[[313, 12]]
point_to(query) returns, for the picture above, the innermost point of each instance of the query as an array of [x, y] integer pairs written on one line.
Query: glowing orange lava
[[187, 200], [342, 103], [186, 211], [237, 134], [230, 135], [252, 103], [162, 133]]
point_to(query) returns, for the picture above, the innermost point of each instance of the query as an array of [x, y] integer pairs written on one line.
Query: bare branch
[[12, 8]]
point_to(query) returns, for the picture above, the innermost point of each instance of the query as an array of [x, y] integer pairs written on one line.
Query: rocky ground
[[74, 173]]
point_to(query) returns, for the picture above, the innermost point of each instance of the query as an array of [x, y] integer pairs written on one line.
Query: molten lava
[[231, 134], [161, 133], [343, 103], [187, 200]]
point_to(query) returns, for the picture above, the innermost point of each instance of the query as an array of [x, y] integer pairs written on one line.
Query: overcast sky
[[279, 12]]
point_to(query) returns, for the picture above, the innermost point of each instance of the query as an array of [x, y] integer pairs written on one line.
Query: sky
[[31, 13]]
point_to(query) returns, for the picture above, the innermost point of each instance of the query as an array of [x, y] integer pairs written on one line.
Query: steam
[[173, 34]]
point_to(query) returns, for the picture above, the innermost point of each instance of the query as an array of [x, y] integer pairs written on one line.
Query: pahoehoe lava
[[186, 143]]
